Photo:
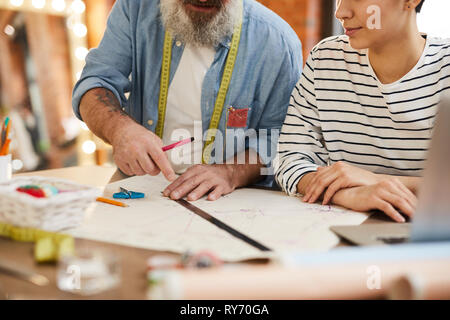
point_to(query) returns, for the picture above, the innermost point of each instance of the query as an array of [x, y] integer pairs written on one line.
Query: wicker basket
[[62, 211]]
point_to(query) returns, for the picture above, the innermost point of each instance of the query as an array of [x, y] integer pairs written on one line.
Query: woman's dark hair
[[419, 7]]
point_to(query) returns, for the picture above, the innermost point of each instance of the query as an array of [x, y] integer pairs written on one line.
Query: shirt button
[[178, 43], [150, 122]]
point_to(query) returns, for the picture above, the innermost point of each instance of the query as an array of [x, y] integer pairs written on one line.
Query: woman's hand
[[336, 177], [390, 196]]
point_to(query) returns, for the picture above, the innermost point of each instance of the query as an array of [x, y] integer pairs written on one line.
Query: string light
[[59, 5], [78, 6], [16, 3], [73, 10], [89, 147], [81, 53], [74, 13], [9, 30], [38, 4], [80, 30]]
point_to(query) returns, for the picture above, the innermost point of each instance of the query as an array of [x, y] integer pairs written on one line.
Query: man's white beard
[[177, 21]]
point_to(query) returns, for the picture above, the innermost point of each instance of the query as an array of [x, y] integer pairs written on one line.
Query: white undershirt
[[184, 107]]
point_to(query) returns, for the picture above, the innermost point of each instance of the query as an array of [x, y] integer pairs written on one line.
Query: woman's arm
[[300, 146]]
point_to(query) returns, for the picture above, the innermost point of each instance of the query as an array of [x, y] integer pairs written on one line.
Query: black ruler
[[221, 225]]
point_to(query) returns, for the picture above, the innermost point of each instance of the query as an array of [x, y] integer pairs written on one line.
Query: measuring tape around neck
[[164, 85], [221, 96]]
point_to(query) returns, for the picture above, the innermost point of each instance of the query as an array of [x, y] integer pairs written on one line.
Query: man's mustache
[[209, 3]]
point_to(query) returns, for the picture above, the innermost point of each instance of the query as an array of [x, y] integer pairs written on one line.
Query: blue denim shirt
[[129, 59]]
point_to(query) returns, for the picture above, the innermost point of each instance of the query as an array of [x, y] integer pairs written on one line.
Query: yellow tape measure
[[164, 85], [50, 246], [221, 96]]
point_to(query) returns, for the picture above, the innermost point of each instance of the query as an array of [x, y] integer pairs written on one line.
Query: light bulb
[[38, 4], [59, 5], [80, 30], [81, 53], [16, 3], [78, 6], [89, 147]]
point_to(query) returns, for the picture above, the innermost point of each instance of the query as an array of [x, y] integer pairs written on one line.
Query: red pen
[[178, 144]]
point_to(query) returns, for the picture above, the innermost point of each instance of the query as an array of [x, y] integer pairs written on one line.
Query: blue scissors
[[125, 194]]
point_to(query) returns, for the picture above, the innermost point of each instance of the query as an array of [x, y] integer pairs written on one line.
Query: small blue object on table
[[125, 194]]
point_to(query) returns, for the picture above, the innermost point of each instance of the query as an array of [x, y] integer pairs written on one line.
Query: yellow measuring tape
[[164, 85], [221, 96], [50, 246]]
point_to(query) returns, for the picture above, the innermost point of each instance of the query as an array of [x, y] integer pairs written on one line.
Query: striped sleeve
[[300, 147]]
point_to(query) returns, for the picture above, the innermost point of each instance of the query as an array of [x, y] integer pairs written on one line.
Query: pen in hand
[[178, 144]]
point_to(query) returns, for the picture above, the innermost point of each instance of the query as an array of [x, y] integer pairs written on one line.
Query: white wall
[[434, 18]]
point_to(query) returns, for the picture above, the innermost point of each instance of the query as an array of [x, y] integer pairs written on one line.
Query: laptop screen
[[432, 218]]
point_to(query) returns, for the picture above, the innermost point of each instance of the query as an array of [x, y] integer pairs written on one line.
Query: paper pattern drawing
[[282, 223]]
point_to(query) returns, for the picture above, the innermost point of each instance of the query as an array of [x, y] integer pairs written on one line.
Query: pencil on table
[[113, 202]]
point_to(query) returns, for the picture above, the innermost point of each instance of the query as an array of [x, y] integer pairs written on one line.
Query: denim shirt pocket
[[238, 116], [239, 132]]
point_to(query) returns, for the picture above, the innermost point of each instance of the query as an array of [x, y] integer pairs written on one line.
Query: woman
[[360, 119]]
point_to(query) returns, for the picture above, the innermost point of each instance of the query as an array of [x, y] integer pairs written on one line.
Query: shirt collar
[[226, 42]]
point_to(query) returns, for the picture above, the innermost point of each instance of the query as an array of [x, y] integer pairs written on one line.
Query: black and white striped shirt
[[340, 111]]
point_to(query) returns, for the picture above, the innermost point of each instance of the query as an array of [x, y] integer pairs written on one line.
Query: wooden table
[[133, 260]]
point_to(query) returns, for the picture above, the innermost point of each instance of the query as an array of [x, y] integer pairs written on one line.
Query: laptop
[[431, 221]]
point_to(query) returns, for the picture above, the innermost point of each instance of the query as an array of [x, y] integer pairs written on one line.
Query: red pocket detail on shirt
[[237, 118]]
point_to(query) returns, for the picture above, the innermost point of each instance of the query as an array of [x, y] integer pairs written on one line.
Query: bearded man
[[211, 69]]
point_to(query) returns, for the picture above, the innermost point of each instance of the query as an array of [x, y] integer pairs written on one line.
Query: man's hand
[[201, 179], [138, 151], [336, 177], [218, 179], [389, 196]]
